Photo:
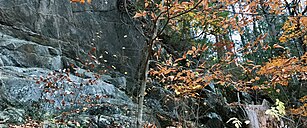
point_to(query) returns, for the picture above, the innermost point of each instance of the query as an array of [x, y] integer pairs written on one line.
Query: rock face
[[20, 93], [38, 37], [20, 53], [73, 29]]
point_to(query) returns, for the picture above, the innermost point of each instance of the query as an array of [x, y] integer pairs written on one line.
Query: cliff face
[[72, 28], [38, 37]]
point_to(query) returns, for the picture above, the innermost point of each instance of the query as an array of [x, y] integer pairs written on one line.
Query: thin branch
[[288, 7], [200, 34], [261, 14], [125, 5], [167, 21], [169, 17]]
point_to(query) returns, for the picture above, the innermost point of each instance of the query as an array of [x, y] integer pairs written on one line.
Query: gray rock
[[21, 91], [3, 126], [74, 28], [12, 115], [53, 51], [119, 82], [19, 85], [20, 53], [1, 62]]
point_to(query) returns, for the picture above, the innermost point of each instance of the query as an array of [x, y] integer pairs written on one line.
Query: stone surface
[[71, 29], [39, 37], [20, 53], [21, 92], [12, 115]]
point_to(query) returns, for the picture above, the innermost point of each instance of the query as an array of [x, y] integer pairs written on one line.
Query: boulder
[[21, 53], [101, 102]]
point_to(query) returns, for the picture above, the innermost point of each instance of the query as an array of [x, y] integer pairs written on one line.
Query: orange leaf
[[255, 87], [153, 16], [278, 46], [205, 4], [252, 80], [190, 52], [146, 5], [139, 14], [257, 78], [73, 1], [193, 48], [204, 48], [179, 59], [225, 26], [249, 61], [181, 78], [199, 79]]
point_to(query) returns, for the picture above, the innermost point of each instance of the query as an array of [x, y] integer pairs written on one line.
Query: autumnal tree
[[258, 61], [248, 45]]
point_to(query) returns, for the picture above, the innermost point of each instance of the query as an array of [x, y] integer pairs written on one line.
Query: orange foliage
[[281, 69], [293, 28], [183, 74], [302, 110]]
